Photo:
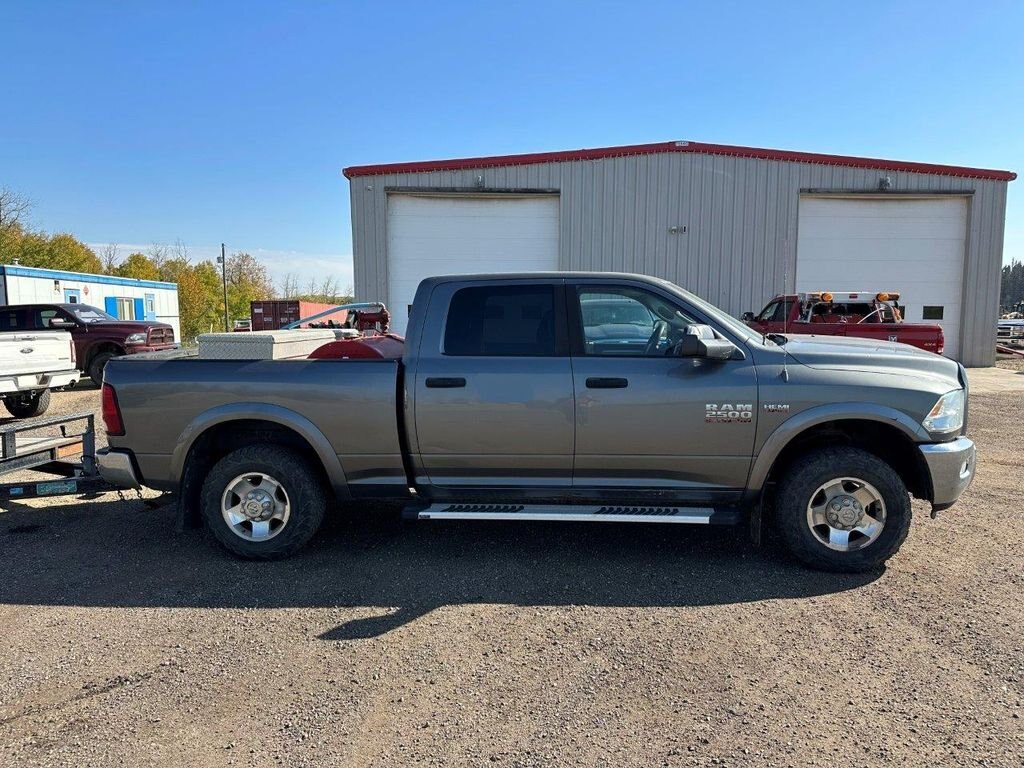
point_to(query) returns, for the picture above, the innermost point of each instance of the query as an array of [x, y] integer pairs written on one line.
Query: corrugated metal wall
[[739, 214]]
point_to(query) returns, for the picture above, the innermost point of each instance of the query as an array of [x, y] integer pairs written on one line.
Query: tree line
[[1011, 290], [200, 287]]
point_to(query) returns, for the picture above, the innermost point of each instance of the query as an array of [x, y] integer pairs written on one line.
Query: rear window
[[501, 321], [12, 320]]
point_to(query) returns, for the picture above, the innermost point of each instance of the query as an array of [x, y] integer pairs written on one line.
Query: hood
[[859, 354], [125, 326]]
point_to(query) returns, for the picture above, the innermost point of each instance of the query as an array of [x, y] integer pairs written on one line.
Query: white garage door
[[914, 246], [430, 236]]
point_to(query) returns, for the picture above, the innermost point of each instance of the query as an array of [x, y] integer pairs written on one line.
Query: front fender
[[261, 412], [786, 432]]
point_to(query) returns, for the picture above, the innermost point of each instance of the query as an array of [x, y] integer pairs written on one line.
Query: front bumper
[[951, 467], [117, 468], [135, 349]]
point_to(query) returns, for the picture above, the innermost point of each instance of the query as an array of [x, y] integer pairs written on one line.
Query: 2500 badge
[[727, 412]]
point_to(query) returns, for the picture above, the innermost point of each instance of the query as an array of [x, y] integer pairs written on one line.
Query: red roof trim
[[677, 146]]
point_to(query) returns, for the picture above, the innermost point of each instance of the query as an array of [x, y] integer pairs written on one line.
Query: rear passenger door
[[492, 390]]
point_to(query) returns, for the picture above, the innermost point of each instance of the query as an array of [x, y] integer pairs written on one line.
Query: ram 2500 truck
[[556, 396]]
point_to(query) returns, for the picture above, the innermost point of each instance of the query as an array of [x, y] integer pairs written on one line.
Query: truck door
[[648, 422], [775, 317], [492, 388]]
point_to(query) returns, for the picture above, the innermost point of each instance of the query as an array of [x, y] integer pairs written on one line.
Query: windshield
[[87, 314]]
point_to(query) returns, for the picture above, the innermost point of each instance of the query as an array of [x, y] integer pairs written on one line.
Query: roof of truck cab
[[496, 276]]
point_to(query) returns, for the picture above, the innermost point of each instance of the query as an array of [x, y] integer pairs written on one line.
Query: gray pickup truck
[[557, 396]]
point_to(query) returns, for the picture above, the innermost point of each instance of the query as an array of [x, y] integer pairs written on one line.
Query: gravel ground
[[125, 643], [1010, 362]]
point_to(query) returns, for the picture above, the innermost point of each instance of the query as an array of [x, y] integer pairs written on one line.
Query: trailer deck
[[66, 449]]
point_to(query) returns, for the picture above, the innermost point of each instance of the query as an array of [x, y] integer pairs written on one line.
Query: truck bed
[[350, 404]]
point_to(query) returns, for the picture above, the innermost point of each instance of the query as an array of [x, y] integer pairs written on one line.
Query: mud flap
[[188, 517]]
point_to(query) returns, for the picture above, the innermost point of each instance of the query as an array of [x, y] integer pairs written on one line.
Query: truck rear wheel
[[842, 509], [27, 406], [263, 502]]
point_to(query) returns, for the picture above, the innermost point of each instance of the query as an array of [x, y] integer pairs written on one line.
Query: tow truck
[[861, 314]]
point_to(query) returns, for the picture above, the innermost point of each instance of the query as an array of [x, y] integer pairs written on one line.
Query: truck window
[[622, 321], [43, 318], [12, 320], [501, 321], [775, 312]]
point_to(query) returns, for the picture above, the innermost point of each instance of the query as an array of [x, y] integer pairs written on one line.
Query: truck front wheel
[[27, 406], [842, 509], [263, 502], [97, 364]]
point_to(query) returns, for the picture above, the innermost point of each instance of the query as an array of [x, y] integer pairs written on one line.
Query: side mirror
[[60, 322], [748, 317], [712, 349]]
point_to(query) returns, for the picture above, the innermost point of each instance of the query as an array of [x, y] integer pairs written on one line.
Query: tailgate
[[28, 353]]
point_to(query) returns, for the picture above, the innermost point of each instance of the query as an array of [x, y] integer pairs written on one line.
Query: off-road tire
[[96, 366], [26, 407], [803, 478], [302, 482]]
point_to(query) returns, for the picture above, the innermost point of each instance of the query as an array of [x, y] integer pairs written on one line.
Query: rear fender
[[262, 412]]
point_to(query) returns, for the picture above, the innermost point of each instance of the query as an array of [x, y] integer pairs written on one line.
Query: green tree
[[37, 249], [199, 295], [247, 282], [1011, 290], [138, 266]]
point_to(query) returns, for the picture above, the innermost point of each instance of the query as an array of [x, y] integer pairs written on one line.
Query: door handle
[[598, 382], [453, 382]]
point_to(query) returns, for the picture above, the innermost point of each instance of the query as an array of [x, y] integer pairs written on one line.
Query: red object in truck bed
[[386, 347]]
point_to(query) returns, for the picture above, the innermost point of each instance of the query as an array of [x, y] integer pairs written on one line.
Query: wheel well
[[220, 440], [886, 442], [105, 346]]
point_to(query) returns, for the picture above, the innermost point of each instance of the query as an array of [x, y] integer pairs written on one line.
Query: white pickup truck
[[31, 364]]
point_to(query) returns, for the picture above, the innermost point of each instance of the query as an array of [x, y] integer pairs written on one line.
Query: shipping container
[[272, 314]]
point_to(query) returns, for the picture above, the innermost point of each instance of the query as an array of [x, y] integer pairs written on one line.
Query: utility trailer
[[65, 449]]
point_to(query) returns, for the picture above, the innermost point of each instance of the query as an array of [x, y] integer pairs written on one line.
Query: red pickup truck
[[863, 314]]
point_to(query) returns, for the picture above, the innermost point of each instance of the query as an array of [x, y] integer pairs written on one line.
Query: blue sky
[[136, 123]]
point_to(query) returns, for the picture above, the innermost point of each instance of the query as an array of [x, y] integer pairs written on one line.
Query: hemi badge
[[777, 407]]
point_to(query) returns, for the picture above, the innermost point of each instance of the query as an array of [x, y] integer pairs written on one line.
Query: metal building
[[123, 297], [735, 225]]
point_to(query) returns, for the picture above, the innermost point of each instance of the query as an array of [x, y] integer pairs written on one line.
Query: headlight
[[947, 415], [136, 338]]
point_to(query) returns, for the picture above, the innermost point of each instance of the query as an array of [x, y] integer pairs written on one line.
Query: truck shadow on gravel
[[121, 555]]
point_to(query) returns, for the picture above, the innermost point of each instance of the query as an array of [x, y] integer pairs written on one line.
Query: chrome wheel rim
[[846, 514], [255, 506]]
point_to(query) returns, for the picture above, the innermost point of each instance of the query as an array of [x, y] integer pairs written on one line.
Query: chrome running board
[[576, 513]]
